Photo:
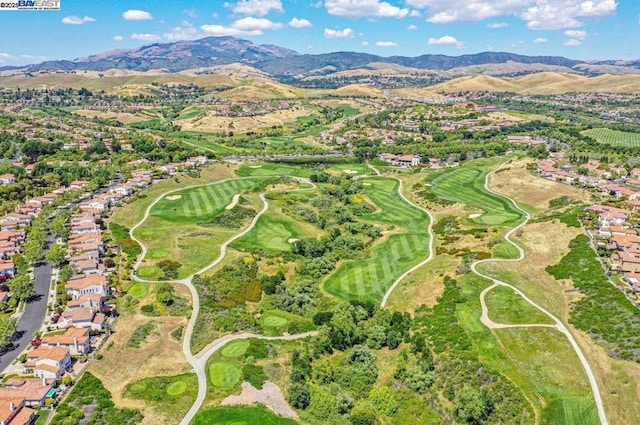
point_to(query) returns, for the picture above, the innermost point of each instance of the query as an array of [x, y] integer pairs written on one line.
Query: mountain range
[[290, 66]]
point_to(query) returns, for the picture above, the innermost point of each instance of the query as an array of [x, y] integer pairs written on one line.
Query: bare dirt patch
[[270, 395], [212, 123]]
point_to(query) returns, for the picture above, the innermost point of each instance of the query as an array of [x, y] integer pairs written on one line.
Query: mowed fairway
[[199, 202], [370, 278], [177, 226], [466, 185], [272, 169]]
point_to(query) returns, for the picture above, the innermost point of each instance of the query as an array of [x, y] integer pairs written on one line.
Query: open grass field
[[349, 169], [206, 141], [466, 184], [369, 279], [240, 416], [272, 169], [223, 374], [614, 137], [507, 307], [271, 234]]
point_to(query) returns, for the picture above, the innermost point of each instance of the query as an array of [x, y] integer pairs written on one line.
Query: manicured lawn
[[345, 168], [223, 374], [275, 321], [507, 307], [240, 416], [179, 227], [272, 169], [466, 184], [176, 388], [271, 234], [369, 279], [571, 411], [235, 348], [138, 290], [200, 203]]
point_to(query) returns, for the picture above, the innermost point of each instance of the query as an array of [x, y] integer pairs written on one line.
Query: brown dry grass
[[546, 243], [213, 123], [159, 355], [123, 117], [530, 190]]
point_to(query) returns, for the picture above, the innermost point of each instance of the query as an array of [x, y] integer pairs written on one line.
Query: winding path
[[558, 324], [199, 361]]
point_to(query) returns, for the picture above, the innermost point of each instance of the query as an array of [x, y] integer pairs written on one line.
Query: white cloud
[[415, 13], [539, 14], [557, 14], [76, 20], [300, 23], [23, 59], [184, 31], [117, 38], [386, 43], [137, 15], [540, 40], [412, 28], [252, 24], [219, 30], [577, 34], [446, 40], [496, 25], [190, 13], [256, 7], [248, 26], [364, 43], [572, 42], [344, 33], [145, 37], [360, 8]]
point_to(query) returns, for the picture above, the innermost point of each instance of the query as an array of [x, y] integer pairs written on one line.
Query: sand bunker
[[292, 240], [270, 395], [173, 197], [234, 201], [350, 171], [474, 215], [255, 166], [366, 184]]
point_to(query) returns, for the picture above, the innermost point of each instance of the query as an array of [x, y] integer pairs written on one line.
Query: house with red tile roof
[[14, 412], [76, 340], [33, 390], [48, 362]]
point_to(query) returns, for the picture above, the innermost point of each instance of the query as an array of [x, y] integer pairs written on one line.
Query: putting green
[[138, 290], [223, 374], [146, 272], [275, 321], [235, 348], [138, 387], [176, 388]]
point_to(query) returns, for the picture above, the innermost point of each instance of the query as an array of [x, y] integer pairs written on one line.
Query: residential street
[[34, 314]]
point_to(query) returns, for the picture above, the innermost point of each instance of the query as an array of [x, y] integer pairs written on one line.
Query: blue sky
[[580, 29]]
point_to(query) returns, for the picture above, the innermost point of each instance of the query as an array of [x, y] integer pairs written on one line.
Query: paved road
[[34, 313], [558, 324], [199, 360]]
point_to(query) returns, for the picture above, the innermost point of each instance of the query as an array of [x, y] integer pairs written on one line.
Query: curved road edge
[[559, 325]]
